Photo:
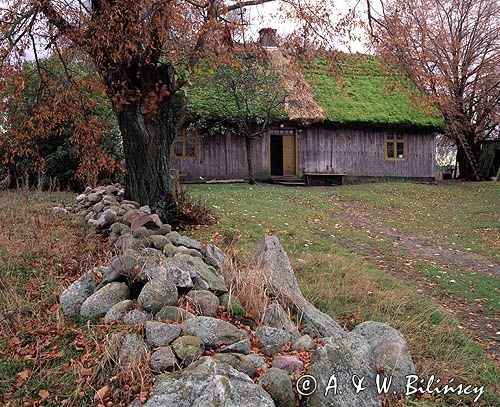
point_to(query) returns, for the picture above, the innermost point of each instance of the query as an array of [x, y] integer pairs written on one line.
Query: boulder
[[205, 302], [118, 311], [188, 349], [161, 334], [120, 268], [136, 316], [176, 314], [257, 361], [103, 300], [203, 276], [288, 363], [275, 316], [303, 343], [179, 240], [158, 241], [342, 357], [388, 353], [148, 221], [278, 384], [271, 339], [157, 293], [213, 332], [73, 297], [282, 282], [214, 256], [132, 351], [110, 216], [162, 360], [182, 277], [237, 361], [208, 383], [242, 347]]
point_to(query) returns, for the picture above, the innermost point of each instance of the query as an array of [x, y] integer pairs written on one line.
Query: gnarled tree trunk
[[146, 143]]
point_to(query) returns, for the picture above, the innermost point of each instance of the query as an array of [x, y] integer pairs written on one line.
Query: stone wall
[[197, 338]]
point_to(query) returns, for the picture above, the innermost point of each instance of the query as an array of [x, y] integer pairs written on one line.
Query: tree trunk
[[248, 145], [146, 146]]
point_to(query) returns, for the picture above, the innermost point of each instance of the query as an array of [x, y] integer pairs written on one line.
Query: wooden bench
[[323, 178]]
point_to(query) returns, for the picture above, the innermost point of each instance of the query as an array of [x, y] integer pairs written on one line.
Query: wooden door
[[289, 154]]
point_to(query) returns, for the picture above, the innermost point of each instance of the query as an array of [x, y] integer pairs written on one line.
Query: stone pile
[[173, 286]]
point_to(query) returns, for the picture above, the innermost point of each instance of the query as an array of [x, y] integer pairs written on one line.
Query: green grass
[[458, 215], [40, 254], [363, 90], [312, 227]]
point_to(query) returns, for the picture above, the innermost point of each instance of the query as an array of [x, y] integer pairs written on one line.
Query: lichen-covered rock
[[303, 343], [157, 293], [103, 300], [188, 349], [178, 240], [136, 316], [272, 339], [275, 316], [213, 332], [176, 314], [159, 241], [257, 361], [118, 311], [279, 386], [74, 296], [205, 302], [132, 351], [203, 276], [148, 221], [288, 363], [160, 334], [242, 347], [162, 360], [237, 361], [273, 260], [208, 383], [214, 256], [182, 278], [388, 353], [345, 355]]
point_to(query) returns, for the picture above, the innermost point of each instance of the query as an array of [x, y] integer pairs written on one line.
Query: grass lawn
[[42, 357], [346, 271], [343, 269]]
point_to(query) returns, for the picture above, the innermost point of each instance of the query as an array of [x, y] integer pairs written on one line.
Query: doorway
[[283, 152]]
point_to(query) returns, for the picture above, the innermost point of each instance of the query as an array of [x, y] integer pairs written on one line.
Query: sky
[[267, 15]]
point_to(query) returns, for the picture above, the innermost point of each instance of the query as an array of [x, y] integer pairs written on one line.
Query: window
[[185, 145], [395, 147]]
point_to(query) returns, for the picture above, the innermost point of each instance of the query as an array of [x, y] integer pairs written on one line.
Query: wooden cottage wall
[[360, 153], [224, 157]]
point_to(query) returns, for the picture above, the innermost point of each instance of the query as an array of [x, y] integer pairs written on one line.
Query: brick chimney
[[267, 37]]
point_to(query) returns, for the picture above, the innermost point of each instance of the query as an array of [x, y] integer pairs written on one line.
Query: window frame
[[397, 138], [184, 138]]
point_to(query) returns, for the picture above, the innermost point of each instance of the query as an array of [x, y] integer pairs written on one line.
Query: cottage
[[356, 123]]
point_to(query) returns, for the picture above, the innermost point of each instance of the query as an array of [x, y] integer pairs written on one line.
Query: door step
[[288, 181]]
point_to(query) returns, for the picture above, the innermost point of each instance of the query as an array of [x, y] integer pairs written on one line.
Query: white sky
[[267, 15]]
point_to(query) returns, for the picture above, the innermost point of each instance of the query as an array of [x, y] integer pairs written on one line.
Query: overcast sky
[[267, 15]]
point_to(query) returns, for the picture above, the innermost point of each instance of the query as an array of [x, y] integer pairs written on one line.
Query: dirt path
[[482, 327], [420, 248]]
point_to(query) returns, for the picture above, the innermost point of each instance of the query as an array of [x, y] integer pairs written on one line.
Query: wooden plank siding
[[355, 152], [224, 157], [360, 153]]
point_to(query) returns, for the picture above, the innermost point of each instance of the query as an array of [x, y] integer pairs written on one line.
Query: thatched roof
[[353, 90], [300, 104]]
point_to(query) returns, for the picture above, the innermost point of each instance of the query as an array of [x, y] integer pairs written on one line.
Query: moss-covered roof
[[355, 90]]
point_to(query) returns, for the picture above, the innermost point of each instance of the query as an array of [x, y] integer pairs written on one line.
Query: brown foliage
[[451, 49]]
